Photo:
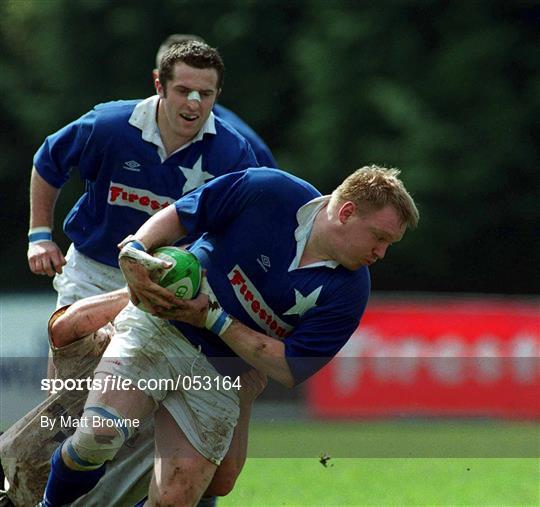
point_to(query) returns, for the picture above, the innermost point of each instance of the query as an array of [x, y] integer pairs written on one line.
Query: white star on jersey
[[195, 176], [303, 303]]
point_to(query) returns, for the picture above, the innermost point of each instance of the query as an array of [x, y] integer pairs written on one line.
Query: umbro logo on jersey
[[264, 262], [132, 165]]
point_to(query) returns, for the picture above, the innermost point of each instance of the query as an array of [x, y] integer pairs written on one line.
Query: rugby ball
[[183, 278]]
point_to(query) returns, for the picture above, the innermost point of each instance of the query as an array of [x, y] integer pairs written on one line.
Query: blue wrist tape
[[137, 245], [38, 234], [219, 323]]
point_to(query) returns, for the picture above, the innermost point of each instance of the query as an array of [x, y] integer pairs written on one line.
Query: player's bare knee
[[178, 487], [223, 481], [173, 497], [221, 488]]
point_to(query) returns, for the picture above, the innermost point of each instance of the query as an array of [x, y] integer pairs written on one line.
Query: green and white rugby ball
[[183, 278]]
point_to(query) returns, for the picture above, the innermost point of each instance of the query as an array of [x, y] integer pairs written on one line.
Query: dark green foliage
[[447, 91]]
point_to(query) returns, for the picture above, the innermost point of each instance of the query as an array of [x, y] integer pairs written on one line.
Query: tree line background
[[447, 91]]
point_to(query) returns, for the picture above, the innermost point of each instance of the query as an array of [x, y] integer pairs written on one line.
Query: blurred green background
[[448, 91]]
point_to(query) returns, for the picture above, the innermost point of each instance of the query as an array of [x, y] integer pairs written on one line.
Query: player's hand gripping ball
[[183, 278]]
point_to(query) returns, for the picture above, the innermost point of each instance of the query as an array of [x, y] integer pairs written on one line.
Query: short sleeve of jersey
[[214, 205], [62, 151], [247, 159], [325, 329], [261, 150], [235, 150]]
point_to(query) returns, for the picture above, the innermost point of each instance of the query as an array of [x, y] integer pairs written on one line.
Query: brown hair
[[193, 53], [174, 38], [372, 188]]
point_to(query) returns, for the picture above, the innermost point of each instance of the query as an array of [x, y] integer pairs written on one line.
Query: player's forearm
[[164, 228], [43, 198], [86, 316], [260, 351]]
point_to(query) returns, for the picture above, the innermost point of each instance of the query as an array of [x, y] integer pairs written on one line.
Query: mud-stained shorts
[[157, 358], [27, 446], [82, 277]]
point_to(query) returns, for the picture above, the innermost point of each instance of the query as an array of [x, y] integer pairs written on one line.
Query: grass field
[[420, 463], [284, 468]]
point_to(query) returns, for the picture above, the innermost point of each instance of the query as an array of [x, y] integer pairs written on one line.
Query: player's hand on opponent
[[139, 268], [45, 258], [253, 383]]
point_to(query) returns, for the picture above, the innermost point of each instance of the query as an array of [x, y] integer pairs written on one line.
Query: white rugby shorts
[[148, 348], [83, 277]]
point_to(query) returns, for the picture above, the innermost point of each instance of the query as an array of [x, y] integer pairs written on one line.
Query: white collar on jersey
[[144, 118], [305, 217]]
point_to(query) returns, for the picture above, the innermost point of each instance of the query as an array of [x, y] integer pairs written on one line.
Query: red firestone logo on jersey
[[137, 198], [254, 304]]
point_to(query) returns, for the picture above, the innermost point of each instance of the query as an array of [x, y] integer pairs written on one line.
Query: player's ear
[[155, 75], [346, 211], [159, 88]]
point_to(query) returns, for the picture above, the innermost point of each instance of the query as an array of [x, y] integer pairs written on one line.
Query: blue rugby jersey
[[261, 150], [126, 178], [251, 246]]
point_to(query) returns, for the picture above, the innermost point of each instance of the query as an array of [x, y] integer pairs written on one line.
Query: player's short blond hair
[[373, 187]]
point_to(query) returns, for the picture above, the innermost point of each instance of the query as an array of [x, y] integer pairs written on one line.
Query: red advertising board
[[451, 358]]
